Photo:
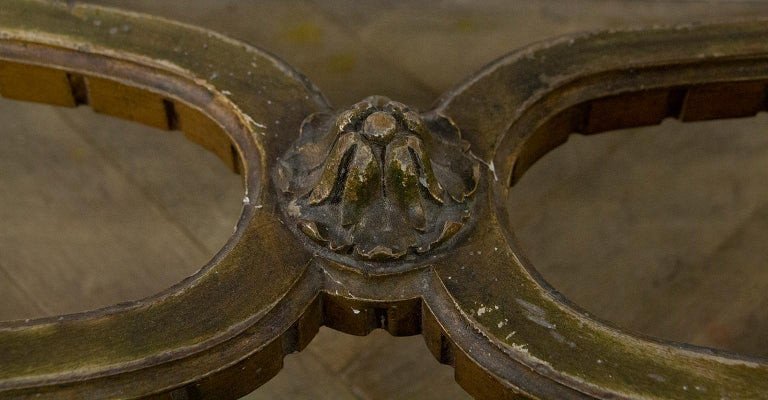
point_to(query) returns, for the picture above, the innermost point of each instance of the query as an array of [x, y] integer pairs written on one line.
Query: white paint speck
[[536, 314], [520, 347], [560, 338], [356, 311], [531, 308], [493, 169], [257, 124], [293, 209], [541, 321]]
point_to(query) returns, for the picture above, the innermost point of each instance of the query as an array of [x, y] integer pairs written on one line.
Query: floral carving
[[378, 180]]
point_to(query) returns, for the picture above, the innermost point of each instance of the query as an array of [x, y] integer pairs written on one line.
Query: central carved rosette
[[378, 180]]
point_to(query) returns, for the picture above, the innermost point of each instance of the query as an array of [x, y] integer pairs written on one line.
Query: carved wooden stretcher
[[372, 217]]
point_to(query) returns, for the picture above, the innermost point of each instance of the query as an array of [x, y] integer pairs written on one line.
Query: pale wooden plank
[[314, 42], [79, 233], [304, 377], [658, 233], [190, 186], [401, 367], [442, 44]]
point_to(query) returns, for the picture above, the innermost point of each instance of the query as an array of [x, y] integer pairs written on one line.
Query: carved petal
[[413, 122], [380, 253], [376, 101], [361, 184], [460, 177], [314, 141], [340, 155], [396, 107], [310, 229], [380, 236], [427, 177], [445, 129], [284, 176], [449, 230], [402, 182], [347, 120]]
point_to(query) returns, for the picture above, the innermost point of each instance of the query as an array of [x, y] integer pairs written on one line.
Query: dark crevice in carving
[[290, 339], [446, 351], [338, 187], [170, 114], [79, 89], [675, 102], [237, 164], [380, 318]]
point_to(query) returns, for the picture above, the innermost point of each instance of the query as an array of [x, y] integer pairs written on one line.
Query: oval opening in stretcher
[[97, 210], [658, 230]]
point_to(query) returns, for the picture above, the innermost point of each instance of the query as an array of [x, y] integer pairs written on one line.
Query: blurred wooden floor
[[660, 230]]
